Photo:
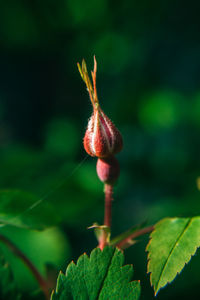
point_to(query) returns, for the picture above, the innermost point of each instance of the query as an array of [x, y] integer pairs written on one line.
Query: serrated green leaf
[[100, 276], [171, 246]]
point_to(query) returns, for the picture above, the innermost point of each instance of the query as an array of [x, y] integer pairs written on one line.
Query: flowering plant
[[172, 240]]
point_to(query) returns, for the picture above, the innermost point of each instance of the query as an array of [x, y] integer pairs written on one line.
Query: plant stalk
[[134, 235], [41, 281], [108, 190]]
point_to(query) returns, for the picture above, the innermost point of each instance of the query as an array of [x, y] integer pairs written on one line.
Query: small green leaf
[[100, 276], [116, 240], [171, 246]]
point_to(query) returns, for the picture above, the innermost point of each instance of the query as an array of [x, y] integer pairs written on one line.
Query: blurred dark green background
[[148, 84]]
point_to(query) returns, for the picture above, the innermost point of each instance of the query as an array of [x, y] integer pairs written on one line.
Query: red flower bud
[[108, 170], [102, 138]]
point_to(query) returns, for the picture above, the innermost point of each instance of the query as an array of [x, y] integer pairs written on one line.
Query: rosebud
[[102, 139], [108, 170]]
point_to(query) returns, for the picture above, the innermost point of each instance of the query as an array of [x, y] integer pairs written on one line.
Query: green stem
[[41, 281]]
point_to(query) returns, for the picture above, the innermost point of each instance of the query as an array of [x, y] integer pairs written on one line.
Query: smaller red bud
[[102, 139], [108, 169]]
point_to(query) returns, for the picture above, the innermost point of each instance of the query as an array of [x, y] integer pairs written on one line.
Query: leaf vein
[[101, 286]]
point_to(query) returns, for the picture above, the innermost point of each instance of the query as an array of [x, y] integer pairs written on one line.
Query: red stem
[[108, 190], [41, 281], [135, 235]]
